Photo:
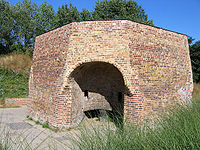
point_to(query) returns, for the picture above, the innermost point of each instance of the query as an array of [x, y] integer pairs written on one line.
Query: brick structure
[[16, 101], [116, 65]]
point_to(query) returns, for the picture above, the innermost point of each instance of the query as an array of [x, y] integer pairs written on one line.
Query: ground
[[14, 121]]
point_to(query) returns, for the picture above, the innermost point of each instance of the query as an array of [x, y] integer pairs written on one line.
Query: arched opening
[[97, 89]]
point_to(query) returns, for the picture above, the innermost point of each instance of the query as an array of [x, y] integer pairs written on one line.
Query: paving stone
[[62, 138], [19, 125]]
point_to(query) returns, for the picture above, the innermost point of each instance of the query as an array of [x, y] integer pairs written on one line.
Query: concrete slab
[[19, 125], [26, 133]]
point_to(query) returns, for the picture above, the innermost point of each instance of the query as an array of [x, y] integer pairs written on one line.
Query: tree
[[104, 10], [120, 9], [190, 40], [195, 59], [8, 28], [46, 18], [67, 15], [33, 20], [20, 24], [27, 14], [85, 15]]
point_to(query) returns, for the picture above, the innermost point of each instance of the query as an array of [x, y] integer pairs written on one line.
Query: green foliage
[[85, 15], [103, 10], [190, 40], [46, 18], [195, 59], [29, 118], [8, 28], [13, 85], [37, 122], [21, 23], [33, 20], [44, 125], [120, 9], [26, 21], [67, 14]]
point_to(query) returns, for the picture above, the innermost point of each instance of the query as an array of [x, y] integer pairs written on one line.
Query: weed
[[29, 118], [45, 125], [37, 122]]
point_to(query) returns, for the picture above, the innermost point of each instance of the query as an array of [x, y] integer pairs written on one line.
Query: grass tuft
[[37, 122], [45, 125]]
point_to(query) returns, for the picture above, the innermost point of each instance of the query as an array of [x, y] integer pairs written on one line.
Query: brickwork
[[16, 101], [147, 67]]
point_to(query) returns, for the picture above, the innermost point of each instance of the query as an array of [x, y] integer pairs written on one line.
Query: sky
[[181, 16]]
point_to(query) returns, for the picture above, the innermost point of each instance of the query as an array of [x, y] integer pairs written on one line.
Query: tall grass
[[20, 63], [196, 91], [179, 129]]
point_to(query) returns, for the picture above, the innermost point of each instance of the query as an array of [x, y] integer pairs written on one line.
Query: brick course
[[153, 65], [16, 101]]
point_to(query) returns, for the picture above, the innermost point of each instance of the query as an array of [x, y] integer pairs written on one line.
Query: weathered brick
[[150, 66]]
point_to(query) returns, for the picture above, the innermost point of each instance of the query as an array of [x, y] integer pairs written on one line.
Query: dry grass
[[16, 62], [196, 91]]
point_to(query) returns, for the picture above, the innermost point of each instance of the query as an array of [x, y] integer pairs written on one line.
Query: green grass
[[45, 125], [37, 122], [178, 130], [13, 85], [29, 118]]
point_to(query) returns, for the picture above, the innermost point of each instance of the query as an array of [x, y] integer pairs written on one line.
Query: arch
[[125, 69], [97, 87]]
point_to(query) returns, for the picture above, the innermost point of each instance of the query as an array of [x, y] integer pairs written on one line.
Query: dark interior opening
[[120, 97], [86, 93], [96, 113], [100, 82]]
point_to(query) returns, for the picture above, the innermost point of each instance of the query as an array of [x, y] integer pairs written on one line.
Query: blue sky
[[177, 15]]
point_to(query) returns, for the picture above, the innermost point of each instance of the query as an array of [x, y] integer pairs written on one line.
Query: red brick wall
[[154, 62]]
